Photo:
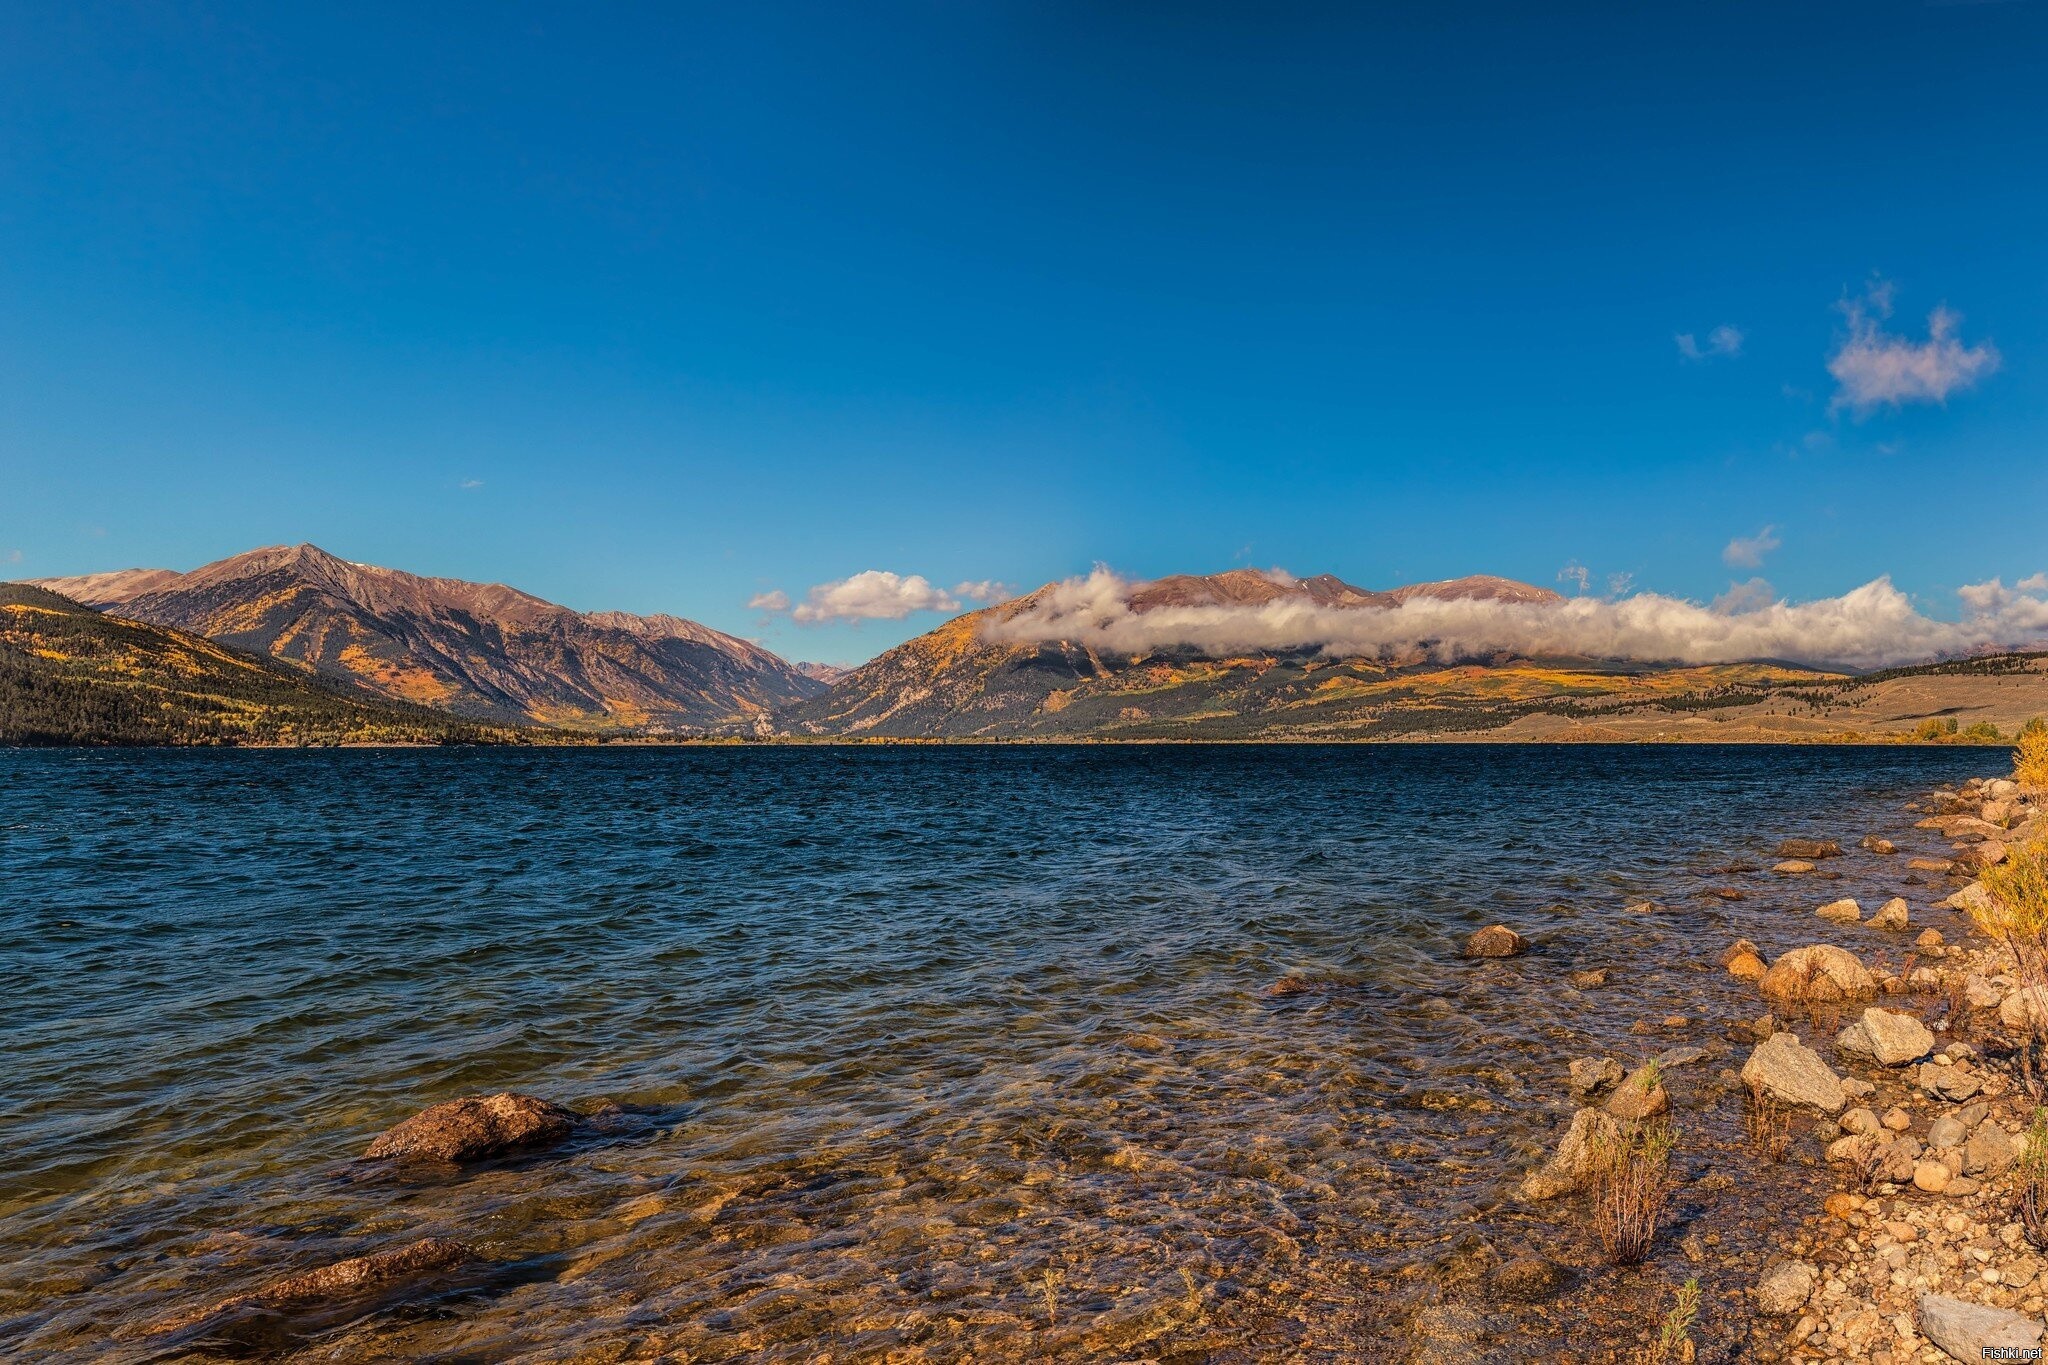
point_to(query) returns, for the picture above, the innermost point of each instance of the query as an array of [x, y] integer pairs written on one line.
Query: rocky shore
[[1889, 1055]]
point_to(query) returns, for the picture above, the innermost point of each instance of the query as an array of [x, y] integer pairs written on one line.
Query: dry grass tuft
[[1767, 1126], [1630, 1182]]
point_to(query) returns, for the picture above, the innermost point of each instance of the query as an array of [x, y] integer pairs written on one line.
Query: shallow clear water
[[945, 1053]]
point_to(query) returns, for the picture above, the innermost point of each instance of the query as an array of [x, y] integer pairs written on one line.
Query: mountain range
[[479, 650], [71, 675], [494, 655]]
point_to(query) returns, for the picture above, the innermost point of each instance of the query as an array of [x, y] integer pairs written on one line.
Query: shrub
[[1934, 728], [1983, 732], [2030, 755], [2014, 911], [1674, 1334], [1631, 1182], [2031, 1177]]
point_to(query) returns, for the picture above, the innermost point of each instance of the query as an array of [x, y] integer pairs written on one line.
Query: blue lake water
[[963, 1053]]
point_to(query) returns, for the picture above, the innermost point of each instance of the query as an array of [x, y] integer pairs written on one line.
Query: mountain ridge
[[483, 650], [73, 675]]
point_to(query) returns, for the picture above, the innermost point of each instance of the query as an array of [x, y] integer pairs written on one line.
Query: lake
[[931, 1053]]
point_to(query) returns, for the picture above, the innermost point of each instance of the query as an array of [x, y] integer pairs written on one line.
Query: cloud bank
[[1875, 626], [878, 595], [1873, 368]]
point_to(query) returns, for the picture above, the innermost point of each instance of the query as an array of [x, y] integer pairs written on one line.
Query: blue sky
[[668, 308]]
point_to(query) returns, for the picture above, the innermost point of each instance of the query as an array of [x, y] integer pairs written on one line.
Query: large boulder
[[1496, 940], [476, 1128], [1892, 915], [1786, 1069], [1784, 1288], [1886, 1036], [1573, 1160], [1972, 1331], [1820, 973]]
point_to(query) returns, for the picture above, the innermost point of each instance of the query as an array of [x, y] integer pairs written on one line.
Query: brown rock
[[1877, 845], [1496, 940], [1726, 893], [1639, 1097], [1845, 911], [1793, 867], [1748, 967], [1591, 979], [1929, 939], [1821, 972], [477, 1127], [1809, 848], [1931, 864], [1737, 949]]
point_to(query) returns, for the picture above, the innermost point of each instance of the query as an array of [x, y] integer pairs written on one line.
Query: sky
[[818, 323]]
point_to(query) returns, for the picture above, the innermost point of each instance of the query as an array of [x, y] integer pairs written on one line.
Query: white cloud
[[984, 590], [879, 595], [1747, 552], [1576, 573], [874, 595], [1874, 626], [1754, 595], [1722, 341], [14, 556], [1873, 368], [472, 484]]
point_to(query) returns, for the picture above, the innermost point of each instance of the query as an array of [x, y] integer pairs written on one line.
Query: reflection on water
[[942, 1053]]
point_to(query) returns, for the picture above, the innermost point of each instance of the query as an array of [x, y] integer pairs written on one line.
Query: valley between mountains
[[354, 653]]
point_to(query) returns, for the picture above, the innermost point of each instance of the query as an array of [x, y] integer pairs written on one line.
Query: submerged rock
[[1809, 848], [1878, 845], [1496, 940], [476, 1128], [1592, 1075], [357, 1277], [1786, 1069], [1529, 1279]]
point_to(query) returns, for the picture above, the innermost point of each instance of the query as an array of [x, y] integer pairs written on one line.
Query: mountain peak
[[481, 649]]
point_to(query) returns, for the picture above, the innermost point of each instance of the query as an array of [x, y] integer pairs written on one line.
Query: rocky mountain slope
[[481, 650], [70, 675]]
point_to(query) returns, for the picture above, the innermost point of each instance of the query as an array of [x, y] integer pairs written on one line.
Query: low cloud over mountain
[[1874, 626]]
